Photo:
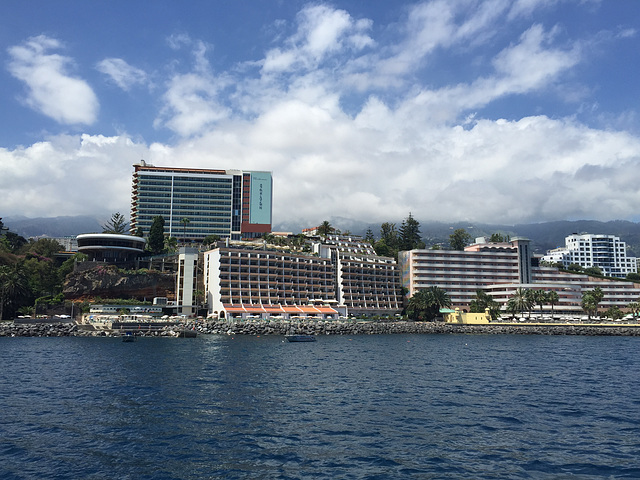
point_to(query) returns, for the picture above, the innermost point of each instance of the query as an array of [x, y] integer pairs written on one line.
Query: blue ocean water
[[360, 407]]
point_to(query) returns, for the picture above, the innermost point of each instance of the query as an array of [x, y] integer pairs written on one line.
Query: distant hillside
[[52, 227], [543, 236]]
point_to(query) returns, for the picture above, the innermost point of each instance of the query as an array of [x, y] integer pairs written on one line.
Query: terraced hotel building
[[342, 278], [229, 203], [500, 269]]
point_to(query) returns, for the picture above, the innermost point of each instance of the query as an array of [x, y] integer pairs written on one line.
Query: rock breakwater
[[320, 327], [383, 328]]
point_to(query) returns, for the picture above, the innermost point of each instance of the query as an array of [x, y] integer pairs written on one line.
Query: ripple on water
[[448, 406]]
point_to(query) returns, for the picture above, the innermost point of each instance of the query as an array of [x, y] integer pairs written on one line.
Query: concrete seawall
[[320, 327]]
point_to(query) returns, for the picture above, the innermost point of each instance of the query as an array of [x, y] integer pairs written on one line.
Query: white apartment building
[[607, 252], [187, 281]]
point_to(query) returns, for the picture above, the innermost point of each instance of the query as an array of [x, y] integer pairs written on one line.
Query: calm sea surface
[[361, 407]]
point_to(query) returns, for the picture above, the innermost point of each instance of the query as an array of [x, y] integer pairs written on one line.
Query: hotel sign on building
[[260, 198]]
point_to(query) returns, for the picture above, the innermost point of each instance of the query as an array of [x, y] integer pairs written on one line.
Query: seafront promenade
[[325, 327]]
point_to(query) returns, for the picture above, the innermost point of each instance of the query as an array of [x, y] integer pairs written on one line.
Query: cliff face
[[107, 281]]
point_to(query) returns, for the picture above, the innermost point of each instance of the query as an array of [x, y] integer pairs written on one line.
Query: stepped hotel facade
[[499, 269], [342, 277]]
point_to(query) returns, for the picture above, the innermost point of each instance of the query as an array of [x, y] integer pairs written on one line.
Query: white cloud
[[69, 175], [428, 151], [192, 100], [322, 31], [51, 90], [121, 73]]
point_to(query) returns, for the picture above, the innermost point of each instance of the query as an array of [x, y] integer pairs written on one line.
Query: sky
[[492, 111]]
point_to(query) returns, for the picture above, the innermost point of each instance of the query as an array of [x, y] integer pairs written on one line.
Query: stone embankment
[[320, 327]]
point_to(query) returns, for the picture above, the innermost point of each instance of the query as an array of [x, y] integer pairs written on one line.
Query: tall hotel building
[[500, 269], [229, 203], [461, 273]]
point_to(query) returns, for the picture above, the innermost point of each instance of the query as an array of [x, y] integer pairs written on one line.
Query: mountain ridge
[[543, 235]]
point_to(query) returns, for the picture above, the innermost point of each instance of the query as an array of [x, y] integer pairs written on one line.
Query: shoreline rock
[[320, 328]]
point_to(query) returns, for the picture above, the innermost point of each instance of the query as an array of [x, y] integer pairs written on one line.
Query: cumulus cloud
[[51, 90], [121, 73], [322, 31], [192, 100], [69, 175], [404, 145]]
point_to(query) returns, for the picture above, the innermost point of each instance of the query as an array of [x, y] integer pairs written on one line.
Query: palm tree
[[512, 307], [521, 299], [597, 295], [634, 307], [426, 304], [482, 301], [589, 303], [185, 221], [325, 229], [539, 297], [552, 299], [13, 282]]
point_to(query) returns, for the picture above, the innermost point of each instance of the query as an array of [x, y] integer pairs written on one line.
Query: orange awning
[[328, 310], [291, 309], [254, 308], [234, 308], [309, 309], [272, 308]]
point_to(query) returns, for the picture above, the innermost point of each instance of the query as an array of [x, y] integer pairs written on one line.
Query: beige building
[[499, 269], [341, 278]]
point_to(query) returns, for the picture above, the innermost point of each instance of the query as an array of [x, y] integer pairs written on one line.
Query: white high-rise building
[[607, 252]]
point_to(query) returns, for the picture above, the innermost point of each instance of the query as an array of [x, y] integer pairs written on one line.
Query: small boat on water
[[186, 333], [129, 337], [300, 338]]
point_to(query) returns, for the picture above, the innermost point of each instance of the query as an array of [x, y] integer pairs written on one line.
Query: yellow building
[[456, 316]]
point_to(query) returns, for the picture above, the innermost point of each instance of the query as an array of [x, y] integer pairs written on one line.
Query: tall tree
[[459, 239], [155, 242], [589, 304], [389, 235], [540, 297], [139, 232], [13, 283], [409, 237], [368, 236], [597, 295], [387, 246], [116, 224], [184, 221]]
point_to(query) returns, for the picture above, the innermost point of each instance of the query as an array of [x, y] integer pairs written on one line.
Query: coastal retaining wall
[[320, 327]]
